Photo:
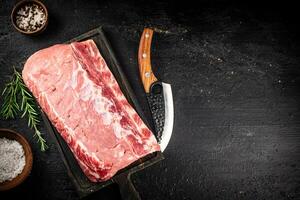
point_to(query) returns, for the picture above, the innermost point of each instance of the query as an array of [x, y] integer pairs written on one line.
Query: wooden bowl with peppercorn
[[16, 159], [29, 17]]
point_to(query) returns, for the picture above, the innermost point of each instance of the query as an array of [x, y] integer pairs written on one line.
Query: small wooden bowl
[[24, 3], [12, 135]]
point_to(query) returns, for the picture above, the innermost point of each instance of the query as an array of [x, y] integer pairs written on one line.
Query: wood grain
[[144, 58]]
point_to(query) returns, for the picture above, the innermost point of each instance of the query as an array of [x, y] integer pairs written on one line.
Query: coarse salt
[[12, 159], [30, 17]]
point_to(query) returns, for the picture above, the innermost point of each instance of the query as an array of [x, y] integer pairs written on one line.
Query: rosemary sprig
[[11, 106]]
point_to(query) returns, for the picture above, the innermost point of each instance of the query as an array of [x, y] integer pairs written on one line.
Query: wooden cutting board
[[83, 185]]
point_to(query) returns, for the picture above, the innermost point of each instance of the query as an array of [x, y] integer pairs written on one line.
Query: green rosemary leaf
[[3, 92], [27, 93], [24, 113], [40, 140]]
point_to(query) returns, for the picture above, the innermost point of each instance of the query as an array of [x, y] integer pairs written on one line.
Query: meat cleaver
[[159, 94]]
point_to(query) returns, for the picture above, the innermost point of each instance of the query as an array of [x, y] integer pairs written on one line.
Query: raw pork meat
[[82, 99]]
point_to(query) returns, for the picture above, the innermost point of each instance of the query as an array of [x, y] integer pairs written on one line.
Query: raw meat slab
[[82, 99]]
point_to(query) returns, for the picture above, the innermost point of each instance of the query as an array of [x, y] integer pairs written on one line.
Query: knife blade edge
[[169, 116]]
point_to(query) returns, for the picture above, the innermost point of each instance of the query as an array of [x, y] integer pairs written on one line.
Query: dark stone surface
[[234, 69]]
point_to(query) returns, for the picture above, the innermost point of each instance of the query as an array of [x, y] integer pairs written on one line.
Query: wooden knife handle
[[146, 73]]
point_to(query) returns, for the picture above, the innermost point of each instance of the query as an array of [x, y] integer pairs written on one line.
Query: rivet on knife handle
[[146, 73]]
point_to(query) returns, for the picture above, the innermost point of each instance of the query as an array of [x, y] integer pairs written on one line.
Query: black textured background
[[234, 69]]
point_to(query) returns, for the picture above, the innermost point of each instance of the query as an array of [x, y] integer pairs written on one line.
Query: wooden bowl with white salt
[[16, 159], [29, 17]]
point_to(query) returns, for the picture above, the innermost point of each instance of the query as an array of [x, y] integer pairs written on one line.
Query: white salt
[[30, 17], [12, 159]]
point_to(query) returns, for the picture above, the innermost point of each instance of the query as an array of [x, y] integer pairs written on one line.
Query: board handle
[[145, 68], [127, 190]]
